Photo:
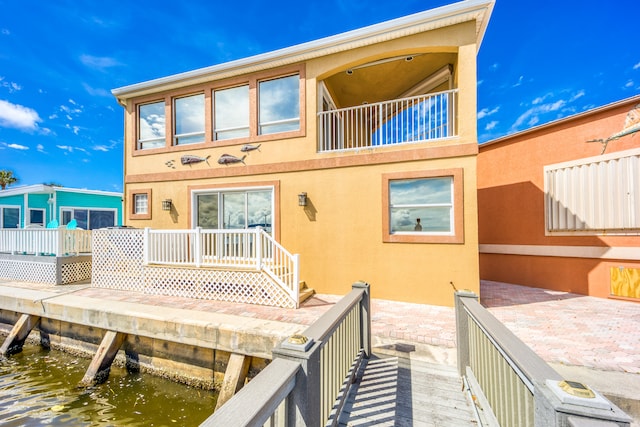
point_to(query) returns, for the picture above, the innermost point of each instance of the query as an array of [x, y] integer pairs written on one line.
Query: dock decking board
[[396, 391]]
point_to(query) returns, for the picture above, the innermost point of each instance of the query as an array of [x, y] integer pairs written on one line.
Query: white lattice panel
[[118, 259], [251, 287], [25, 271], [74, 272]]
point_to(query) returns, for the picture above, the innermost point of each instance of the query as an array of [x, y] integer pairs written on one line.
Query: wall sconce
[[302, 199], [166, 205]]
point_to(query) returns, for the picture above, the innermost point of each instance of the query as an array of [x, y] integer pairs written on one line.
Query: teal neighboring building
[[35, 206]]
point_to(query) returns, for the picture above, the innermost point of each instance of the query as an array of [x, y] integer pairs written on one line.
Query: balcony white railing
[[244, 249], [401, 121], [44, 241]]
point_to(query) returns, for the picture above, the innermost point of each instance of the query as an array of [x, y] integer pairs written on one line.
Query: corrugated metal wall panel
[[600, 195]]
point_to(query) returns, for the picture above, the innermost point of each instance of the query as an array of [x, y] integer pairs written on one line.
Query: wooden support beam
[[234, 376], [19, 333], [100, 366]]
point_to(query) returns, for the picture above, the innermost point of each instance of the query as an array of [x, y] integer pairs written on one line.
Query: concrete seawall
[[185, 345]]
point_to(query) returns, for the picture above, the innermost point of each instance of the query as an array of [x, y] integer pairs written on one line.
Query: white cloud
[[11, 86], [491, 125], [629, 83], [99, 62], [637, 66], [18, 147], [106, 147], [5, 145], [519, 82], [71, 149], [40, 148], [485, 112], [532, 115], [96, 92], [18, 116], [74, 129]]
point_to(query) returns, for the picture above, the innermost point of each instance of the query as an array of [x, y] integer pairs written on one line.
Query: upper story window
[[231, 113], [279, 105], [252, 108], [189, 119], [151, 125]]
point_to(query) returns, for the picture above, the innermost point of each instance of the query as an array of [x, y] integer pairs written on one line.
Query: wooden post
[[234, 376], [19, 333], [101, 364]]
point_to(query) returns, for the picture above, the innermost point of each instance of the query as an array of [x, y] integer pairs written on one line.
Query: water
[[39, 387]]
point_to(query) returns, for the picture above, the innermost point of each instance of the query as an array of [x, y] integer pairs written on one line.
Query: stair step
[[305, 292]]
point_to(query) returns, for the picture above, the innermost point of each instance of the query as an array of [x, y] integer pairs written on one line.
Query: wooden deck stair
[[305, 292]]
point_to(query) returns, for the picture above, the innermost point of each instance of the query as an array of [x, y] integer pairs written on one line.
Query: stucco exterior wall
[[339, 233], [511, 207]]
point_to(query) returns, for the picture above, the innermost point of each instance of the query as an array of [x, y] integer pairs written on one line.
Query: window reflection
[[421, 205], [231, 113], [189, 119], [279, 105], [151, 125]]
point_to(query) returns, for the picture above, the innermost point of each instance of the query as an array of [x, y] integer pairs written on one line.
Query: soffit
[[457, 13]]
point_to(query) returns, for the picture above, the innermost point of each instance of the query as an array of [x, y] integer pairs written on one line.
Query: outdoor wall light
[[302, 199], [166, 205]]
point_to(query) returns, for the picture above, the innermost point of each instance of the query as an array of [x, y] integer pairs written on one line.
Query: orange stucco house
[[559, 204], [334, 147]]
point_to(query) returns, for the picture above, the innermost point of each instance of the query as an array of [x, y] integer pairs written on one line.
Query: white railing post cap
[[297, 342]]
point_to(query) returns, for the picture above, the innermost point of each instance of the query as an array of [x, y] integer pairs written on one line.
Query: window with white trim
[[151, 125], [89, 218], [188, 119], [235, 209], [140, 204], [594, 195], [423, 205], [279, 105], [231, 112], [36, 217], [9, 217]]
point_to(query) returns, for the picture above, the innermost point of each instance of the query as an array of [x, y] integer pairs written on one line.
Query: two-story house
[[356, 151]]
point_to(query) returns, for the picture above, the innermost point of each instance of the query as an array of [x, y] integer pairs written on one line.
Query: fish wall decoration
[[228, 159], [189, 159], [248, 147]]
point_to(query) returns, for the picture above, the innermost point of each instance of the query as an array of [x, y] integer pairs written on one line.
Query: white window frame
[[221, 191], [88, 209], [593, 196], [137, 196], [263, 126], [149, 143], [179, 137], [3, 207], [44, 216]]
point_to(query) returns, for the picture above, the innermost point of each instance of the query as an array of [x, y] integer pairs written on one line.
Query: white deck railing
[[44, 241], [245, 249], [400, 121]]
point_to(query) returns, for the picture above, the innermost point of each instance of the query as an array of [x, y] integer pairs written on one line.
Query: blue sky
[[539, 61]]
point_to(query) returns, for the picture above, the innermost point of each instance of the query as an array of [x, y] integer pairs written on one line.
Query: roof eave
[[464, 11]]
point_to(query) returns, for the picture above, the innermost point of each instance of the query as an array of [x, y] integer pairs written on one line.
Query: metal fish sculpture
[[228, 159], [189, 159], [248, 147]]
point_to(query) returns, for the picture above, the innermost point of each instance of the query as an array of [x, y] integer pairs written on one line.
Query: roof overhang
[[445, 16], [50, 189]]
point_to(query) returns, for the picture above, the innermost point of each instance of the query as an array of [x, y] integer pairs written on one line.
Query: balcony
[[410, 120]]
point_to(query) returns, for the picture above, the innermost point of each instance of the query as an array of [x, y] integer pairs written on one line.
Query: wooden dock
[[398, 391]]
